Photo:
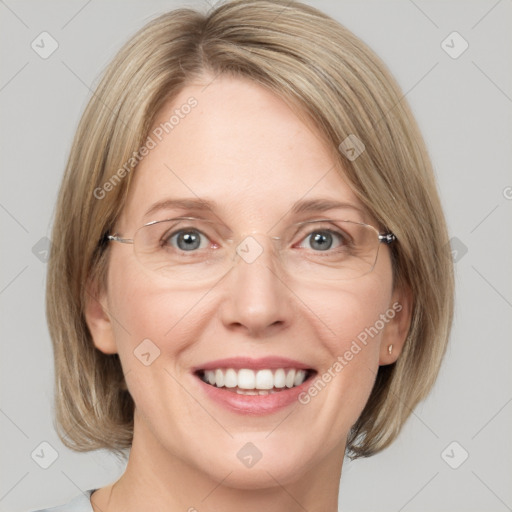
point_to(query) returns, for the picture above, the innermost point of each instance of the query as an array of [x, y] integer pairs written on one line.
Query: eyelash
[[343, 238], [166, 238]]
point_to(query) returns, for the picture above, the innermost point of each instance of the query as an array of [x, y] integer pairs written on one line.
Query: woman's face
[[244, 151]]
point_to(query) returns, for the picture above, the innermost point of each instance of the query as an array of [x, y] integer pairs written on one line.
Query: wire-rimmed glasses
[[191, 249]]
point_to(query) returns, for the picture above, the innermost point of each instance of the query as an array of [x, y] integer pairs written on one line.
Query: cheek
[[154, 326], [143, 308], [339, 322], [350, 320], [350, 315], [352, 347]]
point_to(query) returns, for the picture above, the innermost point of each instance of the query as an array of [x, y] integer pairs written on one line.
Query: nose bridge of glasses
[[256, 245], [351, 251]]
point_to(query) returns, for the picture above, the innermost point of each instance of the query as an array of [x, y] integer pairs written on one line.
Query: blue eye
[[186, 240], [324, 239]]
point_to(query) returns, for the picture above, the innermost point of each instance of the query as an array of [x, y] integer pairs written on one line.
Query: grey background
[[464, 108]]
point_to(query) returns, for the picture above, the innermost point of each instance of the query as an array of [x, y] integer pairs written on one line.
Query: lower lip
[[254, 404]]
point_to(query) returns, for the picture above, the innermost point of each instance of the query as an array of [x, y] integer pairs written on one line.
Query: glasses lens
[[332, 250], [194, 250], [183, 249]]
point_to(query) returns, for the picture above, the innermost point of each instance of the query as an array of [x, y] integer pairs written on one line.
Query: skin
[[245, 148]]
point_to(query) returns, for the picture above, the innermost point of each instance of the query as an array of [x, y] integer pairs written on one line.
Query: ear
[[98, 319], [397, 328]]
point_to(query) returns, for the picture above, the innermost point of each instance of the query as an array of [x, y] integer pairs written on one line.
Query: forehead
[[239, 145]]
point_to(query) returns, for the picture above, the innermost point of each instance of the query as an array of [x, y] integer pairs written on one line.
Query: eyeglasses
[[189, 249]]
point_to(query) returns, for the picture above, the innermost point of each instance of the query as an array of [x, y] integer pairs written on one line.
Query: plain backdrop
[[455, 451]]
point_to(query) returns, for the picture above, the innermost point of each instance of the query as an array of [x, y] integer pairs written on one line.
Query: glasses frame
[[386, 238]]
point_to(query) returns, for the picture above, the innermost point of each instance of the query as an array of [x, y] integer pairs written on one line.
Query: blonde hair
[[334, 80]]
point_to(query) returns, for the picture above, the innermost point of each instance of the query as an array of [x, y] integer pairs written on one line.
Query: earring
[[390, 349]]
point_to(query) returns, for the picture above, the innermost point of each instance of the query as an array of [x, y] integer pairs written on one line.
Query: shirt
[[81, 503]]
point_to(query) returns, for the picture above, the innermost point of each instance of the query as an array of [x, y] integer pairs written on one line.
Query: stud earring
[[390, 349]]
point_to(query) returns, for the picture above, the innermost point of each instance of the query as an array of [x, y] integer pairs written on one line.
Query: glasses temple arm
[[116, 238], [387, 238]]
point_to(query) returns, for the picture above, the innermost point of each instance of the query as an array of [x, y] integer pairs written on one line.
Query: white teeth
[[210, 376], [230, 378], [246, 379], [299, 377], [246, 392], [219, 378], [262, 381], [290, 379], [280, 378]]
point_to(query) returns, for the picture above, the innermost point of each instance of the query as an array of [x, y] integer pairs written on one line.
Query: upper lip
[[238, 363]]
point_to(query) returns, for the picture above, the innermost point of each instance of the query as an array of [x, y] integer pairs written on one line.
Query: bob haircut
[[331, 79]]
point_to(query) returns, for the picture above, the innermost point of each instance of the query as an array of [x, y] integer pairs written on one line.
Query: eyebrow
[[301, 206], [322, 205], [183, 204]]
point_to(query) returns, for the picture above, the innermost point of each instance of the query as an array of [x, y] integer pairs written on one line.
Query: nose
[[257, 300]]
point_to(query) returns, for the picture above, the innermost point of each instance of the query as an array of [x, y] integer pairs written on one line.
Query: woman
[[249, 275]]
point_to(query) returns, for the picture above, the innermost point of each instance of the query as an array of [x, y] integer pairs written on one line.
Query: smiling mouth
[[255, 382]]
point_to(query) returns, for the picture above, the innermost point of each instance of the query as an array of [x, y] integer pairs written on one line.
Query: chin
[[253, 462]]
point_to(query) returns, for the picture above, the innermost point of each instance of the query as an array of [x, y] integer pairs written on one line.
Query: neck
[[160, 481]]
